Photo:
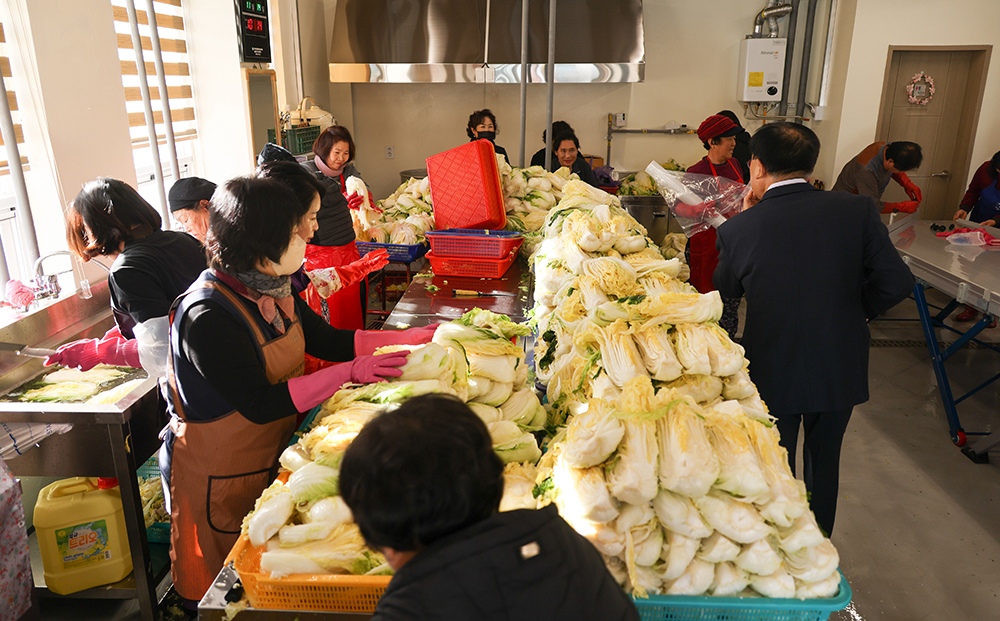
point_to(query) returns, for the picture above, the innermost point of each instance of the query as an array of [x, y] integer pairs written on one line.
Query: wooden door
[[942, 127]]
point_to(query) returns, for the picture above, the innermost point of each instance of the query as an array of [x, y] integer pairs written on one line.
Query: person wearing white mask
[[237, 344]]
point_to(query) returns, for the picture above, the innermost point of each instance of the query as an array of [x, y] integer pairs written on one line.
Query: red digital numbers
[[255, 25]]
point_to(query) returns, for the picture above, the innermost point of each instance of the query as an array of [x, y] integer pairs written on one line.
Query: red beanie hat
[[717, 125]]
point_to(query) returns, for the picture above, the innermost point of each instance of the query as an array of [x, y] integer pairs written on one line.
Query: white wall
[[879, 24], [225, 146]]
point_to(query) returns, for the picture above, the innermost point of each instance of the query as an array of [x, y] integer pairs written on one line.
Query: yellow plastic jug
[[81, 533]]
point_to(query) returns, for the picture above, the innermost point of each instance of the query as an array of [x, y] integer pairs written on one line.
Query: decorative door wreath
[[920, 90]]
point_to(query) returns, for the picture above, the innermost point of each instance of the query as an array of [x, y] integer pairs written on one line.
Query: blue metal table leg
[[937, 362]]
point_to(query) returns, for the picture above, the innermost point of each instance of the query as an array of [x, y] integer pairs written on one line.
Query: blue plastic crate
[[398, 253], [707, 608]]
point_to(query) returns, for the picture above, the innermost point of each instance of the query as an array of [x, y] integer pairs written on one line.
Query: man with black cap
[[188, 201], [717, 133]]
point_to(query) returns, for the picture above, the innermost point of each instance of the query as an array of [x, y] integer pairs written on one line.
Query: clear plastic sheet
[[16, 438], [698, 202]]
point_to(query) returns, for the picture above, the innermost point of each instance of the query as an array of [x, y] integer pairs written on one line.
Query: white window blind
[[14, 112], [173, 45]]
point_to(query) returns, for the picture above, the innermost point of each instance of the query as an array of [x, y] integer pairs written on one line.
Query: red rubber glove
[[308, 391], [112, 348], [355, 200], [356, 271], [367, 341], [911, 188], [905, 207]]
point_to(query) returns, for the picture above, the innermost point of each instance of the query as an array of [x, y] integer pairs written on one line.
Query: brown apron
[[219, 467]]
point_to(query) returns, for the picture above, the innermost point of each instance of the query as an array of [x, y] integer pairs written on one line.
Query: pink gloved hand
[[367, 341], [905, 207], [308, 391], [911, 188], [112, 348], [18, 293]]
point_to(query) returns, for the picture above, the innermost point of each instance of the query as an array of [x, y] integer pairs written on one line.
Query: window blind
[[12, 100]]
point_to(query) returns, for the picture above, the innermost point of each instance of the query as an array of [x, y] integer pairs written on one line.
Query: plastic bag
[[16, 438], [972, 238], [698, 202], [152, 335]]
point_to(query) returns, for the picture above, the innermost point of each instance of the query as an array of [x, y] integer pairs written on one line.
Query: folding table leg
[[937, 363]]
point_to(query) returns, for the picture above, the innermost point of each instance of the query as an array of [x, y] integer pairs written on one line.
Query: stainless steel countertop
[[970, 274], [420, 306]]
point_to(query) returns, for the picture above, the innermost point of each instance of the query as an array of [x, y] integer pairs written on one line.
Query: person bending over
[[424, 486], [869, 172]]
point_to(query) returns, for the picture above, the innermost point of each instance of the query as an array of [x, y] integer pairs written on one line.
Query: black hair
[[420, 473], [785, 149], [711, 141], [904, 155], [274, 153], [106, 213], [300, 181], [558, 127], [994, 167], [331, 136], [560, 137], [244, 228], [478, 117]]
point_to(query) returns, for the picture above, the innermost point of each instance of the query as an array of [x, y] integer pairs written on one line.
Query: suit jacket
[[813, 266]]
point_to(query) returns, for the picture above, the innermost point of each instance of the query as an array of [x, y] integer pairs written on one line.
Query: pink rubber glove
[[308, 391], [905, 207], [356, 271], [112, 348], [367, 341], [911, 188]]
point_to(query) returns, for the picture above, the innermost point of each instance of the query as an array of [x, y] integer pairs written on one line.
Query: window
[[173, 45], [15, 264]]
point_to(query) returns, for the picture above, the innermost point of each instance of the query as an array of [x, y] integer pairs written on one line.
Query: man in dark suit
[[814, 267]]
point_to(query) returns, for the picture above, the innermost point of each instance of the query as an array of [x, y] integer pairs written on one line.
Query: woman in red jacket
[[718, 135], [981, 203]]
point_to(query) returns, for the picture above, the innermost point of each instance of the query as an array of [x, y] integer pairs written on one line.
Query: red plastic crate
[[465, 187], [474, 243], [470, 266]]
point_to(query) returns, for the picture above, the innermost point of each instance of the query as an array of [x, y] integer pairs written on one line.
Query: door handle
[[944, 174]]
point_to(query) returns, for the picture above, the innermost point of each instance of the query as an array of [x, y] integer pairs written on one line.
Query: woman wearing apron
[[333, 243], [717, 133], [981, 204], [237, 344]]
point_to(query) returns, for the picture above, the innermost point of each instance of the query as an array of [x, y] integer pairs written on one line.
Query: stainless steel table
[[970, 275], [431, 298]]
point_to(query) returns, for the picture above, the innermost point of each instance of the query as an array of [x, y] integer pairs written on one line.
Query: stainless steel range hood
[[448, 40]]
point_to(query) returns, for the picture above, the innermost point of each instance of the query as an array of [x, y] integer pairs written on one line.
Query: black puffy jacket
[[519, 565]]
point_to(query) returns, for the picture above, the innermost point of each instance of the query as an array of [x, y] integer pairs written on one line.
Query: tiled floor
[[918, 525]]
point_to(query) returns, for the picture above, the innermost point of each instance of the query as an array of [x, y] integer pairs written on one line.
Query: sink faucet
[[48, 285]]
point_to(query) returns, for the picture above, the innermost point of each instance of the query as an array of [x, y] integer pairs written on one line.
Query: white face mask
[[291, 259]]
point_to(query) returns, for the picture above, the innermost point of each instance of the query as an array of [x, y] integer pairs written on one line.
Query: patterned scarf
[[268, 292]]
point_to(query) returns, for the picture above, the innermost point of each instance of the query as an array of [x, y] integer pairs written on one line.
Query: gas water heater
[[762, 64]]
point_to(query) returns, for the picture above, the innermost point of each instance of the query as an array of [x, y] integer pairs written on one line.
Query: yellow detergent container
[[81, 533]]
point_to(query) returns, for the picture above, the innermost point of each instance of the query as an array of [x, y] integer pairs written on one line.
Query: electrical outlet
[[390, 153]]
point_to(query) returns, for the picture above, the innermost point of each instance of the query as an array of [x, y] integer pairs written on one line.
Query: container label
[[83, 544]]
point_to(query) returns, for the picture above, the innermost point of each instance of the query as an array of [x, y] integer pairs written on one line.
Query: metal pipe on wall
[[161, 77], [524, 76], [25, 222], [550, 76], [831, 33], [793, 20], [148, 109], [800, 101]]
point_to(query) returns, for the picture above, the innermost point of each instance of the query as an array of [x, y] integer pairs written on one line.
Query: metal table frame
[[970, 282]]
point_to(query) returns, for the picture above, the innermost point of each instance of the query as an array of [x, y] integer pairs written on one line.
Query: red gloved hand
[[355, 201], [905, 207], [911, 188], [112, 348], [356, 271], [308, 391], [367, 341]]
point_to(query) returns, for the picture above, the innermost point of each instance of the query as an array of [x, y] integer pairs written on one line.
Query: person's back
[[437, 523], [519, 565]]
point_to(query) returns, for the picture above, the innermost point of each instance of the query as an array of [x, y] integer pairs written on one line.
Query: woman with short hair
[[483, 126], [108, 218], [333, 244], [237, 345]]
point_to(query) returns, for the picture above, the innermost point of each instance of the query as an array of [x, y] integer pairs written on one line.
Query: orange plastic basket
[[472, 267], [465, 188], [331, 593]]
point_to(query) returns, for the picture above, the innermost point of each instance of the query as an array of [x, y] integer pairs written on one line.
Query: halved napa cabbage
[[675, 308], [692, 349], [583, 492], [736, 520], [695, 580], [518, 482], [814, 563], [738, 385], [679, 514], [759, 558], [657, 350], [681, 551], [687, 463], [592, 436], [729, 581], [619, 356], [613, 276], [740, 473], [719, 549], [778, 584], [632, 475]]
